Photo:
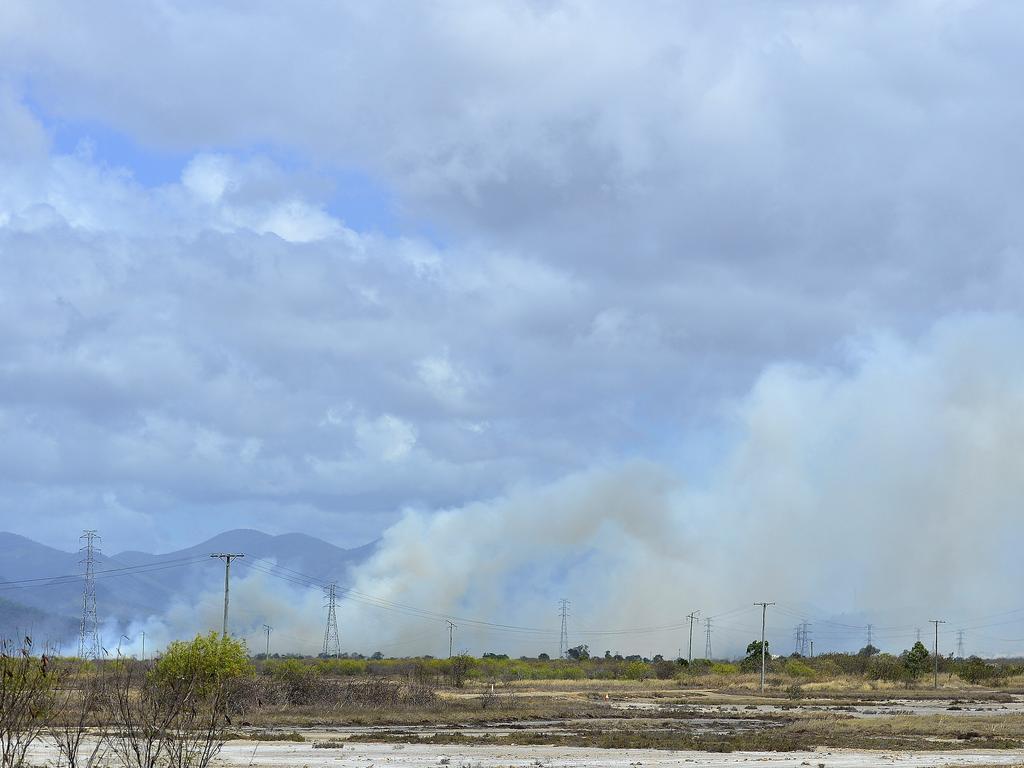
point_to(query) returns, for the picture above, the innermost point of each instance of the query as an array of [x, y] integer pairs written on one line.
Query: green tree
[[915, 661], [207, 661], [753, 658], [579, 653]]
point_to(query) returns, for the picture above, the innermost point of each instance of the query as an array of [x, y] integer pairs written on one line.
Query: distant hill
[[133, 585]]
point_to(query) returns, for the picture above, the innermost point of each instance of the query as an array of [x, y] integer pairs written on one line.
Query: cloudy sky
[[336, 266]]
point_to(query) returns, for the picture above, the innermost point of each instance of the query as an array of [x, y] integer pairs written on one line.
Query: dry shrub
[[27, 699], [386, 694], [172, 722], [81, 702], [315, 690]]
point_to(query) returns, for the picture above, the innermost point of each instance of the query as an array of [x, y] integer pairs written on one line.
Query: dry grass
[[774, 733]]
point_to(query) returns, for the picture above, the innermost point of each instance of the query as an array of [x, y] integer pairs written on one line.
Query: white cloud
[[386, 438], [637, 216], [207, 177]]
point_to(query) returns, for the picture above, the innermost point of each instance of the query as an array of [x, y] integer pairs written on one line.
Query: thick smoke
[[885, 489]]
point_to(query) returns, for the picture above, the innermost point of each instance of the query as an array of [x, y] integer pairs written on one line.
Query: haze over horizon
[[707, 303]]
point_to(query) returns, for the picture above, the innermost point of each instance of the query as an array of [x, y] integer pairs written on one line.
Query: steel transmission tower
[[802, 637], [959, 643], [332, 641], [89, 633], [707, 640], [563, 640]]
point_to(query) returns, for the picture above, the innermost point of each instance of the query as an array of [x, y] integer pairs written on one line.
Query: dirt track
[[249, 754], [239, 754]]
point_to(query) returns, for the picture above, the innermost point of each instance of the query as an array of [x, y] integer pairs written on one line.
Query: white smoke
[[887, 487], [256, 599]]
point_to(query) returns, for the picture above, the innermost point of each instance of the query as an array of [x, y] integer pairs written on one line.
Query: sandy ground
[[249, 754]]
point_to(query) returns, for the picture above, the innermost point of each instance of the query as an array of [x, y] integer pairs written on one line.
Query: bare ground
[[251, 754]]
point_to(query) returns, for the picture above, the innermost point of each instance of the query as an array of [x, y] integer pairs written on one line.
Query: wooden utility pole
[[764, 612], [689, 652], [451, 637], [936, 622], [227, 557]]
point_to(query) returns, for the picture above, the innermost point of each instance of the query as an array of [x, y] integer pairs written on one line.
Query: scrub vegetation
[[178, 710]]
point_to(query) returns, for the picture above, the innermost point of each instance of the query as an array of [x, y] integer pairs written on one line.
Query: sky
[[638, 295]]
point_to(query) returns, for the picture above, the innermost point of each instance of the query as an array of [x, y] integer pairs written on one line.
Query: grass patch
[[294, 736]]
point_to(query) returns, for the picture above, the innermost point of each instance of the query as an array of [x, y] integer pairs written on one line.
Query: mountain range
[[41, 587]]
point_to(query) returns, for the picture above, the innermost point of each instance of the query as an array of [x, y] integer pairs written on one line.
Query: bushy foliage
[[798, 668], [636, 670], [975, 670], [885, 666], [752, 661], [915, 661], [579, 653], [206, 661]]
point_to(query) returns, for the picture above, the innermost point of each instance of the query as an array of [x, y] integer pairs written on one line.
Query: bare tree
[[80, 702], [143, 715], [198, 730], [27, 698]]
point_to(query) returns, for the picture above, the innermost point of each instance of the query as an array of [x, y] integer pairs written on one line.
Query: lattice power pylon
[[332, 640], [563, 639], [89, 632]]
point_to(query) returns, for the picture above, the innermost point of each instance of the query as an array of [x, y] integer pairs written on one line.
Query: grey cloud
[[648, 213], [852, 156]]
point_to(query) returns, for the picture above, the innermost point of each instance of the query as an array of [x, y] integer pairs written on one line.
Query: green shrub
[[724, 668], [636, 670], [885, 666], [797, 668], [206, 661], [975, 670], [700, 666]]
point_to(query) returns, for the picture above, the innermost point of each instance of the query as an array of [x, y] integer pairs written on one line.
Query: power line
[[128, 570]]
